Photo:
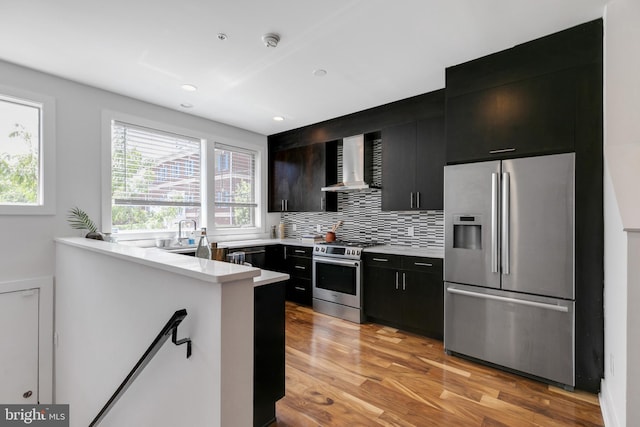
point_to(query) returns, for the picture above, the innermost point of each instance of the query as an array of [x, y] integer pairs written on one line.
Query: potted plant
[[79, 220]]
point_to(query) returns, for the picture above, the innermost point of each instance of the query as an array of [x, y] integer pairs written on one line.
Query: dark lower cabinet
[[297, 261], [254, 255], [405, 292], [268, 353]]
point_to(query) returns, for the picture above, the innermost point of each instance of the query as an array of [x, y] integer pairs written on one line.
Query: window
[[235, 187], [155, 178], [26, 171]]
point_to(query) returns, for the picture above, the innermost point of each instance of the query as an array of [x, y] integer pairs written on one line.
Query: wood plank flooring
[[342, 374]]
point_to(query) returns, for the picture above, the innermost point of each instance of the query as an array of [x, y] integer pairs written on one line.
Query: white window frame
[[47, 152], [108, 117], [207, 163], [260, 185]]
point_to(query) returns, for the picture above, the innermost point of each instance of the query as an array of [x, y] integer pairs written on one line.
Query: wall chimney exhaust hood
[[357, 163]]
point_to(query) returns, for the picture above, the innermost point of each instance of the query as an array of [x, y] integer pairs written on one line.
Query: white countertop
[[406, 251], [267, 276], [203, 269]]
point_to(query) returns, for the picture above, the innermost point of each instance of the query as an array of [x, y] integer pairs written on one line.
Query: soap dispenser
[[203, 250]]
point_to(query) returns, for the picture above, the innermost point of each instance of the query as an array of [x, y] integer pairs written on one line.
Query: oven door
[[337, 280]]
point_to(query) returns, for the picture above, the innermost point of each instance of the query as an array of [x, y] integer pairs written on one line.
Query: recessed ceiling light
[[319, 72], [278, 118], [189, 88], [186, 105]]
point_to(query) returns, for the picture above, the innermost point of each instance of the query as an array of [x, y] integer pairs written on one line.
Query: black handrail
[[170, 329]]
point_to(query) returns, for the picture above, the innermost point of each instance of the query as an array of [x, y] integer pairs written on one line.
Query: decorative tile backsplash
[[365, 222]]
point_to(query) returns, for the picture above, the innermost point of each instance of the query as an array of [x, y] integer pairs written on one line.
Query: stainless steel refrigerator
[[509, 264]]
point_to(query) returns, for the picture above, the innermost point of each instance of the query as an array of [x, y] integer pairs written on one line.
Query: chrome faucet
[[195, 227]]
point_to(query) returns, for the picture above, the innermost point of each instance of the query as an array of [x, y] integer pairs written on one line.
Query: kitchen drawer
[[299, 267], [423, 265], [299, 290], [382, 260], [297, 251]]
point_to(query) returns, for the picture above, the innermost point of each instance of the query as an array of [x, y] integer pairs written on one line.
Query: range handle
[[536, 304]]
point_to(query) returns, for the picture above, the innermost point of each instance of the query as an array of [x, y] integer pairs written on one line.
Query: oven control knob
[[323, 249], [317, 248], [348, 251], [358, 252]]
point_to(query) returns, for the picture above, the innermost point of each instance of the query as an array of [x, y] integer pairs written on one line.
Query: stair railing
[[170, 329]]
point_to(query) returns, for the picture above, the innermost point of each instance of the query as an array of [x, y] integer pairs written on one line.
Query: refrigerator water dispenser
[[467, 232]]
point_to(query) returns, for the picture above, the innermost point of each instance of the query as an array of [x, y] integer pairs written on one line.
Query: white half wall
[[28, 240], [109, 310]]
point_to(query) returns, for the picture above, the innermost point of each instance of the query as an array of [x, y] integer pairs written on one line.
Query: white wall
[[614, 386], [620, 390], [28, 240], [633, 329]]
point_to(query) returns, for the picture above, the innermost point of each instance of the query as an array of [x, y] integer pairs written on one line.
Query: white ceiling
[[375, 51]]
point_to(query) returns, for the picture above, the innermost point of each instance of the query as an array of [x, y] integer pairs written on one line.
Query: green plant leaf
[[79, 220]]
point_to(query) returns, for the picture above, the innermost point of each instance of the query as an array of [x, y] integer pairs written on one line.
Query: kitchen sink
[[184, 249]]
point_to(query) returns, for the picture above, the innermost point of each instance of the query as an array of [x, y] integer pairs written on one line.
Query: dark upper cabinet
[[529, 117], [413, 157], [522, 101], [297, 174]]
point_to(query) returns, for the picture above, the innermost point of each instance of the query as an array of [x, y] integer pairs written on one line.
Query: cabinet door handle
[[299, 251], [282, 205], [418, 200], [404, 281], [411, 200], [423, 264], [285, 252], [299, 288], [380, 259], [397, 280], [502, 150], [321, 203], [300, 267]]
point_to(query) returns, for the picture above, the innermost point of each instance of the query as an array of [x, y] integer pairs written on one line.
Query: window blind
[[154, 168]]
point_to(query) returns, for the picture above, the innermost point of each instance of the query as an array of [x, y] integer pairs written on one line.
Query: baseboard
[[609, 415]]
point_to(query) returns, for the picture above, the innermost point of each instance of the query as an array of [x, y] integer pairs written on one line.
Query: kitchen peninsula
[[111, 300]]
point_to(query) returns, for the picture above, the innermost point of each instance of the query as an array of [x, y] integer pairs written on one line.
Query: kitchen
[[82, 159]]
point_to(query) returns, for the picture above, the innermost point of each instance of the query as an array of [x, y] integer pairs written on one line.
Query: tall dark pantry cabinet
[[543, 98]]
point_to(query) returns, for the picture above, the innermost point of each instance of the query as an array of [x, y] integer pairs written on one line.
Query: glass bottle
[[203, 250]]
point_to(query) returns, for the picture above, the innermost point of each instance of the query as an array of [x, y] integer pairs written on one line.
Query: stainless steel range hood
[[357, 159]]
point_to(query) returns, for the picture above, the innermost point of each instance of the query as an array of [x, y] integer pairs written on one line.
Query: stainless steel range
[[337, 279]]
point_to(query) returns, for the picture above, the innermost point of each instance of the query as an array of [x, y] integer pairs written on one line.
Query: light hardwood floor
[[343, 374]]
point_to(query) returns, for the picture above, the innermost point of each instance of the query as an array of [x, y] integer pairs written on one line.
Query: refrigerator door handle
[[543, 305], [495, 203], [506, 261]]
